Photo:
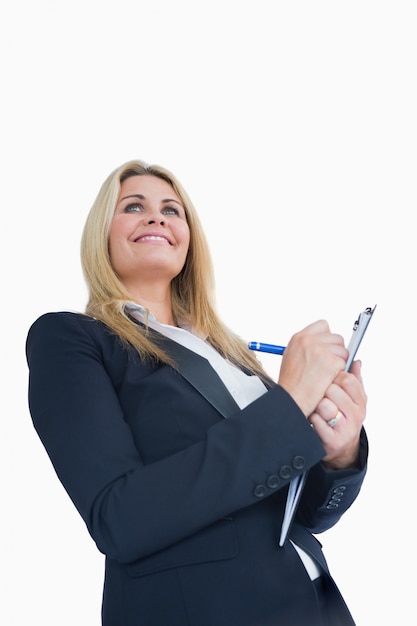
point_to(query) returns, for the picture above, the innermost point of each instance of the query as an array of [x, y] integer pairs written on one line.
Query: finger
[[326, 409], [329, 412], [350, 384], [356, 370], [321, 329], [327, 429], [336, 419]]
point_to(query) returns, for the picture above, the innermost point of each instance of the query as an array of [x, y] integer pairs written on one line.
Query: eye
[[135, 207], [170, 210]]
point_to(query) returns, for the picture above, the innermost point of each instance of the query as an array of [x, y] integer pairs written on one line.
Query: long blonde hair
[[192, 291]]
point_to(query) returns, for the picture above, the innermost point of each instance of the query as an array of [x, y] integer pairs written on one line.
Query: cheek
[[116, 237], [112, 242], [185, 235]]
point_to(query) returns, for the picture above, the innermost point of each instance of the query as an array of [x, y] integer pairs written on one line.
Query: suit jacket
[[181, 490]]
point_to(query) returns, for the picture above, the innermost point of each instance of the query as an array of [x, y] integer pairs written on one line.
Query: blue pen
[[266, 347]]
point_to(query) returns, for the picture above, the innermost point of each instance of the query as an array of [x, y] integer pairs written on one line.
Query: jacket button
[[273, 481], [285, 471], [298, 462], [259, 491]]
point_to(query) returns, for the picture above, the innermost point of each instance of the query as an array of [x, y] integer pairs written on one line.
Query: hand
[[341, 442], [311, 361]]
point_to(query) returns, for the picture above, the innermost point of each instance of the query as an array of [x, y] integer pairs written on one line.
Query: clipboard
[[359, 329], [297, 484]]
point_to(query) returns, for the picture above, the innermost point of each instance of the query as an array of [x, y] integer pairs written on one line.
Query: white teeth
[[153, 238]]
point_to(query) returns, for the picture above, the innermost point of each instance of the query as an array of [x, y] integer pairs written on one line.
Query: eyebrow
[[141, 197]]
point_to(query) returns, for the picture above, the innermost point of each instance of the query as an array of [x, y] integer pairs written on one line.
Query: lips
[[153, 237]]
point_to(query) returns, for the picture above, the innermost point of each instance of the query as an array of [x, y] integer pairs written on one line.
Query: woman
[[175, 446]]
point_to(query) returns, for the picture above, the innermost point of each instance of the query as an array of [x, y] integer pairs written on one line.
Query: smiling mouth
[[152, 238]]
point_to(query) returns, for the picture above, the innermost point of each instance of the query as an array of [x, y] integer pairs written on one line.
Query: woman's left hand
[[338, 418]]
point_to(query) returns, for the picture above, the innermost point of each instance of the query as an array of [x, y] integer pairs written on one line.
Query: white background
[[293, 127]]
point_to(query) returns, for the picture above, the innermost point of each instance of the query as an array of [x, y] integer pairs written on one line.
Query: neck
[[157, 301]]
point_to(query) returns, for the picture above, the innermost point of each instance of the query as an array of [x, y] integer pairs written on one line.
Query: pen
[[266, 347]]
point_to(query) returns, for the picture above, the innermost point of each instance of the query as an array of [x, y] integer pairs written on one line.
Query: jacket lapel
[[198, 372]]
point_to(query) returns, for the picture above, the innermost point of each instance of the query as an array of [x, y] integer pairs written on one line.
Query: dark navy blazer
[[185, 504]]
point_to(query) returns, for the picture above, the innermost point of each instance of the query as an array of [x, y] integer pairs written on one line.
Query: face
[[149, 234]]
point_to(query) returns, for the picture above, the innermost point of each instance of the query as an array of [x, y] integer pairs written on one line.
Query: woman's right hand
[[311, 361]]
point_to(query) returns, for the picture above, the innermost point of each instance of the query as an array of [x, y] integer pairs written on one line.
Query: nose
[[154, 217]]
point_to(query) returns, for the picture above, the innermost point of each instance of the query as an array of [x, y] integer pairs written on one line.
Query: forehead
[[147, 185]]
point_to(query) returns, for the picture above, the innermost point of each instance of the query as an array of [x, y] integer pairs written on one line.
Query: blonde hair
[[192, 291]]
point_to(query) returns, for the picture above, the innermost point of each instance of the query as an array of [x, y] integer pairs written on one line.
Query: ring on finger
[[332, 423]]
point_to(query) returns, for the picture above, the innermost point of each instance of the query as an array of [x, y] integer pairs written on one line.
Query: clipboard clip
[[359, 328], [368, 311]]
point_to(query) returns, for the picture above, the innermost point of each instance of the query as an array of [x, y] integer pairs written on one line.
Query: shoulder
[[60, 318], [65, 327], [67, 340], [64, 322]]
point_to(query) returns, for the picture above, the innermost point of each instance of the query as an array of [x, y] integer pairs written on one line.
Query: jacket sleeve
[[123, 501], [329, 494]]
